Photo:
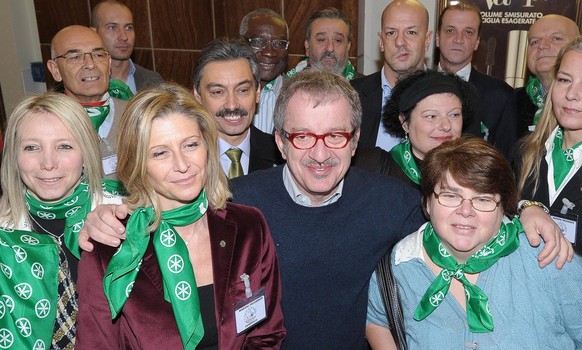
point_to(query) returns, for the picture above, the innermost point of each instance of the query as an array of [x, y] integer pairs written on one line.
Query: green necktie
[[235, 169]]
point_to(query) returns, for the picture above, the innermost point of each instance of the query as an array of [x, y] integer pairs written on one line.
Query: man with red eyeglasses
[[331, 223]]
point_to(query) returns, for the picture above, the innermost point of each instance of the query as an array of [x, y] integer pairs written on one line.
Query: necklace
[[58, 238], [189, 239]]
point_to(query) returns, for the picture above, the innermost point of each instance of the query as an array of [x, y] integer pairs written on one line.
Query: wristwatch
[[526, 204]]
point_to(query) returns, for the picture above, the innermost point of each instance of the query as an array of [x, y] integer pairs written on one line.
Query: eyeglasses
[[76, 57], [453, 200], [307, 140], [259, 43]]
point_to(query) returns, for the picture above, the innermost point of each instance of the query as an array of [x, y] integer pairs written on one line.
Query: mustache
[[329, 54], [225, 112], [327, 162]]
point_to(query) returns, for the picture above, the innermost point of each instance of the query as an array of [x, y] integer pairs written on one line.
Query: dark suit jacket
[[497, 110], [527, 111], [370, 90], [264, 151], [378, 161], [240, 243], [145, 78], [572, 191]]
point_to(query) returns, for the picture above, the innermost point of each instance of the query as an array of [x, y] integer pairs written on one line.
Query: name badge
[[250, 310], [568, 223], [109, 164]]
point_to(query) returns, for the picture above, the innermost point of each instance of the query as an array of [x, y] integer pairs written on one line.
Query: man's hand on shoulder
[[103, 225]]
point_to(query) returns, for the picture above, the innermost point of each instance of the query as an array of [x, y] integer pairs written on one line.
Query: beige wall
[[20, 47]]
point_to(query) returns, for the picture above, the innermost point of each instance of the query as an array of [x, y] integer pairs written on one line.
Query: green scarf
[[120, 90], [98, 111], [179, 283], [74, 209], [349, 71], [114, 187], [29, 263], [563, 159], [505, 242], [535, 91], [402, 155], [269, 85]]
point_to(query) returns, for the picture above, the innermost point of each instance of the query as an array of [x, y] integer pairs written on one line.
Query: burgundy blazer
[[240, 243]]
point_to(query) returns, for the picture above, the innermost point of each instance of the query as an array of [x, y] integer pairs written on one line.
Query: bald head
[[545, 39], [87, 79], [404, 38], [407, 5]]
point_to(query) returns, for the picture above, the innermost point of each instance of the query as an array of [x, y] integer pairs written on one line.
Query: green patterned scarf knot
[[29, 266], [480, 320], [402, 155], [74, 209], [179, 283]]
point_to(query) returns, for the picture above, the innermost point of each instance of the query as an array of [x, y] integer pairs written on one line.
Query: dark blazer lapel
[[370, 90], [222, 238], [573, 189], [264, 151]]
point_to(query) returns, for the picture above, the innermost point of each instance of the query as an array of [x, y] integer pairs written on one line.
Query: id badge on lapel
[[250, 310], [568, 223]]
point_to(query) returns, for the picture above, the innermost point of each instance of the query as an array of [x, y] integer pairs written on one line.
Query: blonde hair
[[134, 137], [533, 146], [73, 116]]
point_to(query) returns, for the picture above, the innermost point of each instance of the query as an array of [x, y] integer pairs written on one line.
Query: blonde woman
[[51, 178], [194, 271], [552, 156]]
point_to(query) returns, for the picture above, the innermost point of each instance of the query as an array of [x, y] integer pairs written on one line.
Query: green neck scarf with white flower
[[120, 90], [173, 259], [535, 91], [98, 111], [505, 242], [74, 209], [402, 155], [29, 264], [563, 159], [349, 71]]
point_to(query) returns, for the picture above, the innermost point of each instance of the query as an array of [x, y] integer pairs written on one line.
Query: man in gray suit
[[113, 21]]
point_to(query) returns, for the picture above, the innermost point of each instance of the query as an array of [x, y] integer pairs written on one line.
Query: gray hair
[[322, 86], [332, 13], [224, 50], [244, 23]]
